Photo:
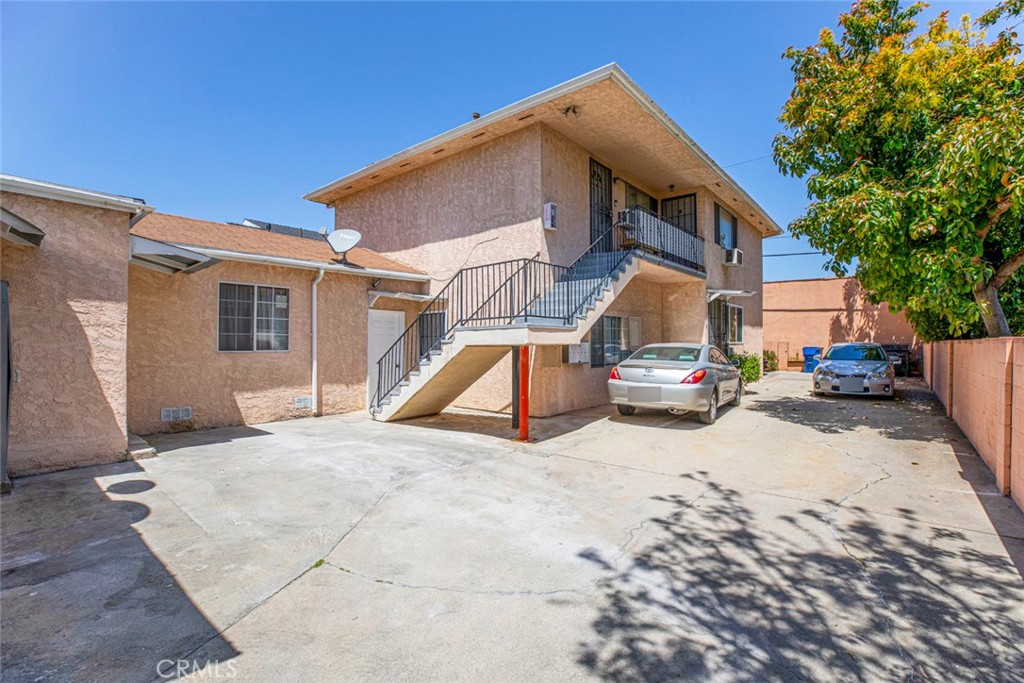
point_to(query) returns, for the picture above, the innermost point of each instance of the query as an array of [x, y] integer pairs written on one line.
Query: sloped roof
[[191, 232], [606, 112]]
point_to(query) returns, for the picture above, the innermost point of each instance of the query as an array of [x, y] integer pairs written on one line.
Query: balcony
[[644, 230]]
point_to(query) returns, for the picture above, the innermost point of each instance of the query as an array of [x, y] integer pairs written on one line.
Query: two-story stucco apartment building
[[582, 214], [579, 223]]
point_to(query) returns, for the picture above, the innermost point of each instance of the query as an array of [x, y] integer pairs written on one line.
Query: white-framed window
[[252, 317], [613, 339], [735, 324]]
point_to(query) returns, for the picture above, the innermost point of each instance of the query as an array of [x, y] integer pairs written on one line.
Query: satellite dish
[[343, 240]]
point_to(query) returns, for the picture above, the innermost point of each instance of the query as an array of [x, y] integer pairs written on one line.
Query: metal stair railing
[[495, 294]]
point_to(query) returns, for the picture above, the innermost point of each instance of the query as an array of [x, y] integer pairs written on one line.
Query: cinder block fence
[[981, 384]]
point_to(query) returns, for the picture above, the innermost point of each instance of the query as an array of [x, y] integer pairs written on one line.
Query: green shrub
[[771, 361], [750, 367]]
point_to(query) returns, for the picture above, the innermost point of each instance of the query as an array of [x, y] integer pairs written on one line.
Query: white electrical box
[[303, 402], [579, 354], [551, 216]]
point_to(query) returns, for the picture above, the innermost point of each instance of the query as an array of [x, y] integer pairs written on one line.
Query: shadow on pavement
[[499, 425], [165, 443], [84, 598], [899, 418], [719, 593]]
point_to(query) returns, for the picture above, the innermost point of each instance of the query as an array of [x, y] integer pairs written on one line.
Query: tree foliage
[[912, 143]]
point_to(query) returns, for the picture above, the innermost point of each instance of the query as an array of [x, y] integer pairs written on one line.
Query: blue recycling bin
[[810, 362]]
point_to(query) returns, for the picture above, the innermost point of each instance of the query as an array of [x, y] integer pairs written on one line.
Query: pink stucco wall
[[821, 312], [173, 359], [68, 302]]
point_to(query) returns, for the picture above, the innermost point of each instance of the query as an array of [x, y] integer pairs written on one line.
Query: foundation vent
[[175, 414], [304, 402]]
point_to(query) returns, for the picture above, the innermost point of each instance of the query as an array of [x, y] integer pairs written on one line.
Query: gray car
[[677, 377], [856, 369]]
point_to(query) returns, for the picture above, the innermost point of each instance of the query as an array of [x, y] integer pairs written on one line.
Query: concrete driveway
[[796, 539]]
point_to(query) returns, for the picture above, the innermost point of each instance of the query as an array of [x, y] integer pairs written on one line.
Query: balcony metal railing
[[649, 232]]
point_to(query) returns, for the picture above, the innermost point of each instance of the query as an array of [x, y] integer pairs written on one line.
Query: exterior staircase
[[485, 310]]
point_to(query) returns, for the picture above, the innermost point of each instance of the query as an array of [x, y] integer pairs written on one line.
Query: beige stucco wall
[[485, 205], [173, 359], [479, 207], [821, 312], [566, 181], [557, 387], [68, 326], [749, 276]]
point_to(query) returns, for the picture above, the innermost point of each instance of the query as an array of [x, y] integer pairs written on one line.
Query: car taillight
[[615, 374], [695, 377]]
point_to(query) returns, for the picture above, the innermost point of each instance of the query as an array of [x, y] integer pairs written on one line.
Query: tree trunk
[[992, 311]]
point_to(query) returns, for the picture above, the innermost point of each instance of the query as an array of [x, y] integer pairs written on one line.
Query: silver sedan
[[855, 369], [677, 377]]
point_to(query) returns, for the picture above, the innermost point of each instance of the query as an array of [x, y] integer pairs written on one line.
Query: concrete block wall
[[981, 401], [1017, 425], [981, 384], [942, 373]]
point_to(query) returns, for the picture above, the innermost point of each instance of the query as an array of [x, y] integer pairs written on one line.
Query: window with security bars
[[252, 318], [613, 339], [681, 212], [637, 197]]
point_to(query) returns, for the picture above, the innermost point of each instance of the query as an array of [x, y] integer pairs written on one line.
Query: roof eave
[[45, 190], [659, 114], [610, 71], [569, 86], [304, 264]]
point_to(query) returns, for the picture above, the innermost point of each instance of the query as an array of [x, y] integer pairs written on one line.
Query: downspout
[[313, 370]]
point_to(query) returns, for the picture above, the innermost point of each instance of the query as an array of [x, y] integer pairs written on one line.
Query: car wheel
[[626, 410], [738, 396], [709, 416]]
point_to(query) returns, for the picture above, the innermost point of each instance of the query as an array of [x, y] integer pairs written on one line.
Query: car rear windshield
[[855, 353], [685, 354]]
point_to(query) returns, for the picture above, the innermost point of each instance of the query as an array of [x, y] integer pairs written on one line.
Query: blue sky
[[227, 111]]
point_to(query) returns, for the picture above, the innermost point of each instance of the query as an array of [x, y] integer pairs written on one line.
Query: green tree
[[912, 143]]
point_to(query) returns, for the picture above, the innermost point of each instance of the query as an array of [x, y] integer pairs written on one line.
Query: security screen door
[[600, 204]]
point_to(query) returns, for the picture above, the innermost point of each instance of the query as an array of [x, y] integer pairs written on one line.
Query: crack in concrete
[[633, 531], [862, 567], [396, 485], [447, 589]]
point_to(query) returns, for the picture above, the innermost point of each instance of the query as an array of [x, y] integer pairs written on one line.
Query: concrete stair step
[[139, 448]]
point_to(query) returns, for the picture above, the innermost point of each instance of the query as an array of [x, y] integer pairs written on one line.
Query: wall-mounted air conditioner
[[551, 216], [733, 257]]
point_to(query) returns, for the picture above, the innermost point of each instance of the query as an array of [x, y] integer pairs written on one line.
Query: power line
[[796, 253], [748, 161]]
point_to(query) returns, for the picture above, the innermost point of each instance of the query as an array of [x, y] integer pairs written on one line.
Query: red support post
[[524, 394]]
